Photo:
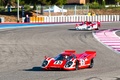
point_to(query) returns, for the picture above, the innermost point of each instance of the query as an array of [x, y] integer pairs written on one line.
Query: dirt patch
[[9, 18]]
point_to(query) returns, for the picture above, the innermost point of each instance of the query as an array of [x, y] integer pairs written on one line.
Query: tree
[[53, 2], [1, 3], [4, 2], [58, 2], [117, 2], [45, 2], [22, 2], [103, 3]]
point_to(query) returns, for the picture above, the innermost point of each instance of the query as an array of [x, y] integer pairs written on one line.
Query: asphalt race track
[[22, 52]]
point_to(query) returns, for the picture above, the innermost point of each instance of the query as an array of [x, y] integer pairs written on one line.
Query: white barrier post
[[66, 19], [93, 18], [103, 17], [73, 18], [60, 19], [79, 18], [96, 18], [117, 18], [111, 17], [76, 19], [108, 17], [53, 18], [50, 18], [88, 18], [85, 17], [23, 19]]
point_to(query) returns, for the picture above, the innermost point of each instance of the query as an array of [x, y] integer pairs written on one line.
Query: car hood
[[57, 63]]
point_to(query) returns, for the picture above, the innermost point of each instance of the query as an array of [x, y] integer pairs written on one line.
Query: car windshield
[[59, 57], [63, 57]]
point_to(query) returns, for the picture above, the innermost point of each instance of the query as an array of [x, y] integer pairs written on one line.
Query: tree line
[[32, 2], [42, 2]]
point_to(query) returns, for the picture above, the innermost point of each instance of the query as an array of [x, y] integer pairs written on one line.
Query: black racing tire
[[97, 29], [77, 65], [91, 63]]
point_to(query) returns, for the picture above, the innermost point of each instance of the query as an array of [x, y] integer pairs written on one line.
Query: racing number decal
[[82, 62], [58, 62]]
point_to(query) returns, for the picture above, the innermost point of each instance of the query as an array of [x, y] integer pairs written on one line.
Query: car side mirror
[[45, 57]]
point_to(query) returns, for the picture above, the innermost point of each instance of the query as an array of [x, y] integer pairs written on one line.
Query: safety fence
[[75, 18], [52, 10]]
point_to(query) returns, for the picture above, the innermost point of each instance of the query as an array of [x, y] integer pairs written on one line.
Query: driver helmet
[[66, 56]]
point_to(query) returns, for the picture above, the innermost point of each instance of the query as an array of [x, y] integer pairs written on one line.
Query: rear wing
[[70, 51], [91, 52]]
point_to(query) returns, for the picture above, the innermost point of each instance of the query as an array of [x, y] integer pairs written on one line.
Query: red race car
[[87, 25], [70, 60]]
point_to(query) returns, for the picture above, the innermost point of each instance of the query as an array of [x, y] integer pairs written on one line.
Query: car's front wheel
[[77, 65]]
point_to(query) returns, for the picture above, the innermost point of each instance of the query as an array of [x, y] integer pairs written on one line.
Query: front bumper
[[58, 68]]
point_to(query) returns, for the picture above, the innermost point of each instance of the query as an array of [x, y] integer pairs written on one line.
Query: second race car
[[70, 60], [87, 25]]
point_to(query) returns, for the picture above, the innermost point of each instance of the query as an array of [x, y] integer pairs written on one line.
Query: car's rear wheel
[[77, 65], [91, 63], [97, 29]]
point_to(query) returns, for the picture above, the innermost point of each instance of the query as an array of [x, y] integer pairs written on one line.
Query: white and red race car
[[87, 25]]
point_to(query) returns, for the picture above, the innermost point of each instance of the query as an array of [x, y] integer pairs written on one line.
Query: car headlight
[[68, 64], [45, 62]]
